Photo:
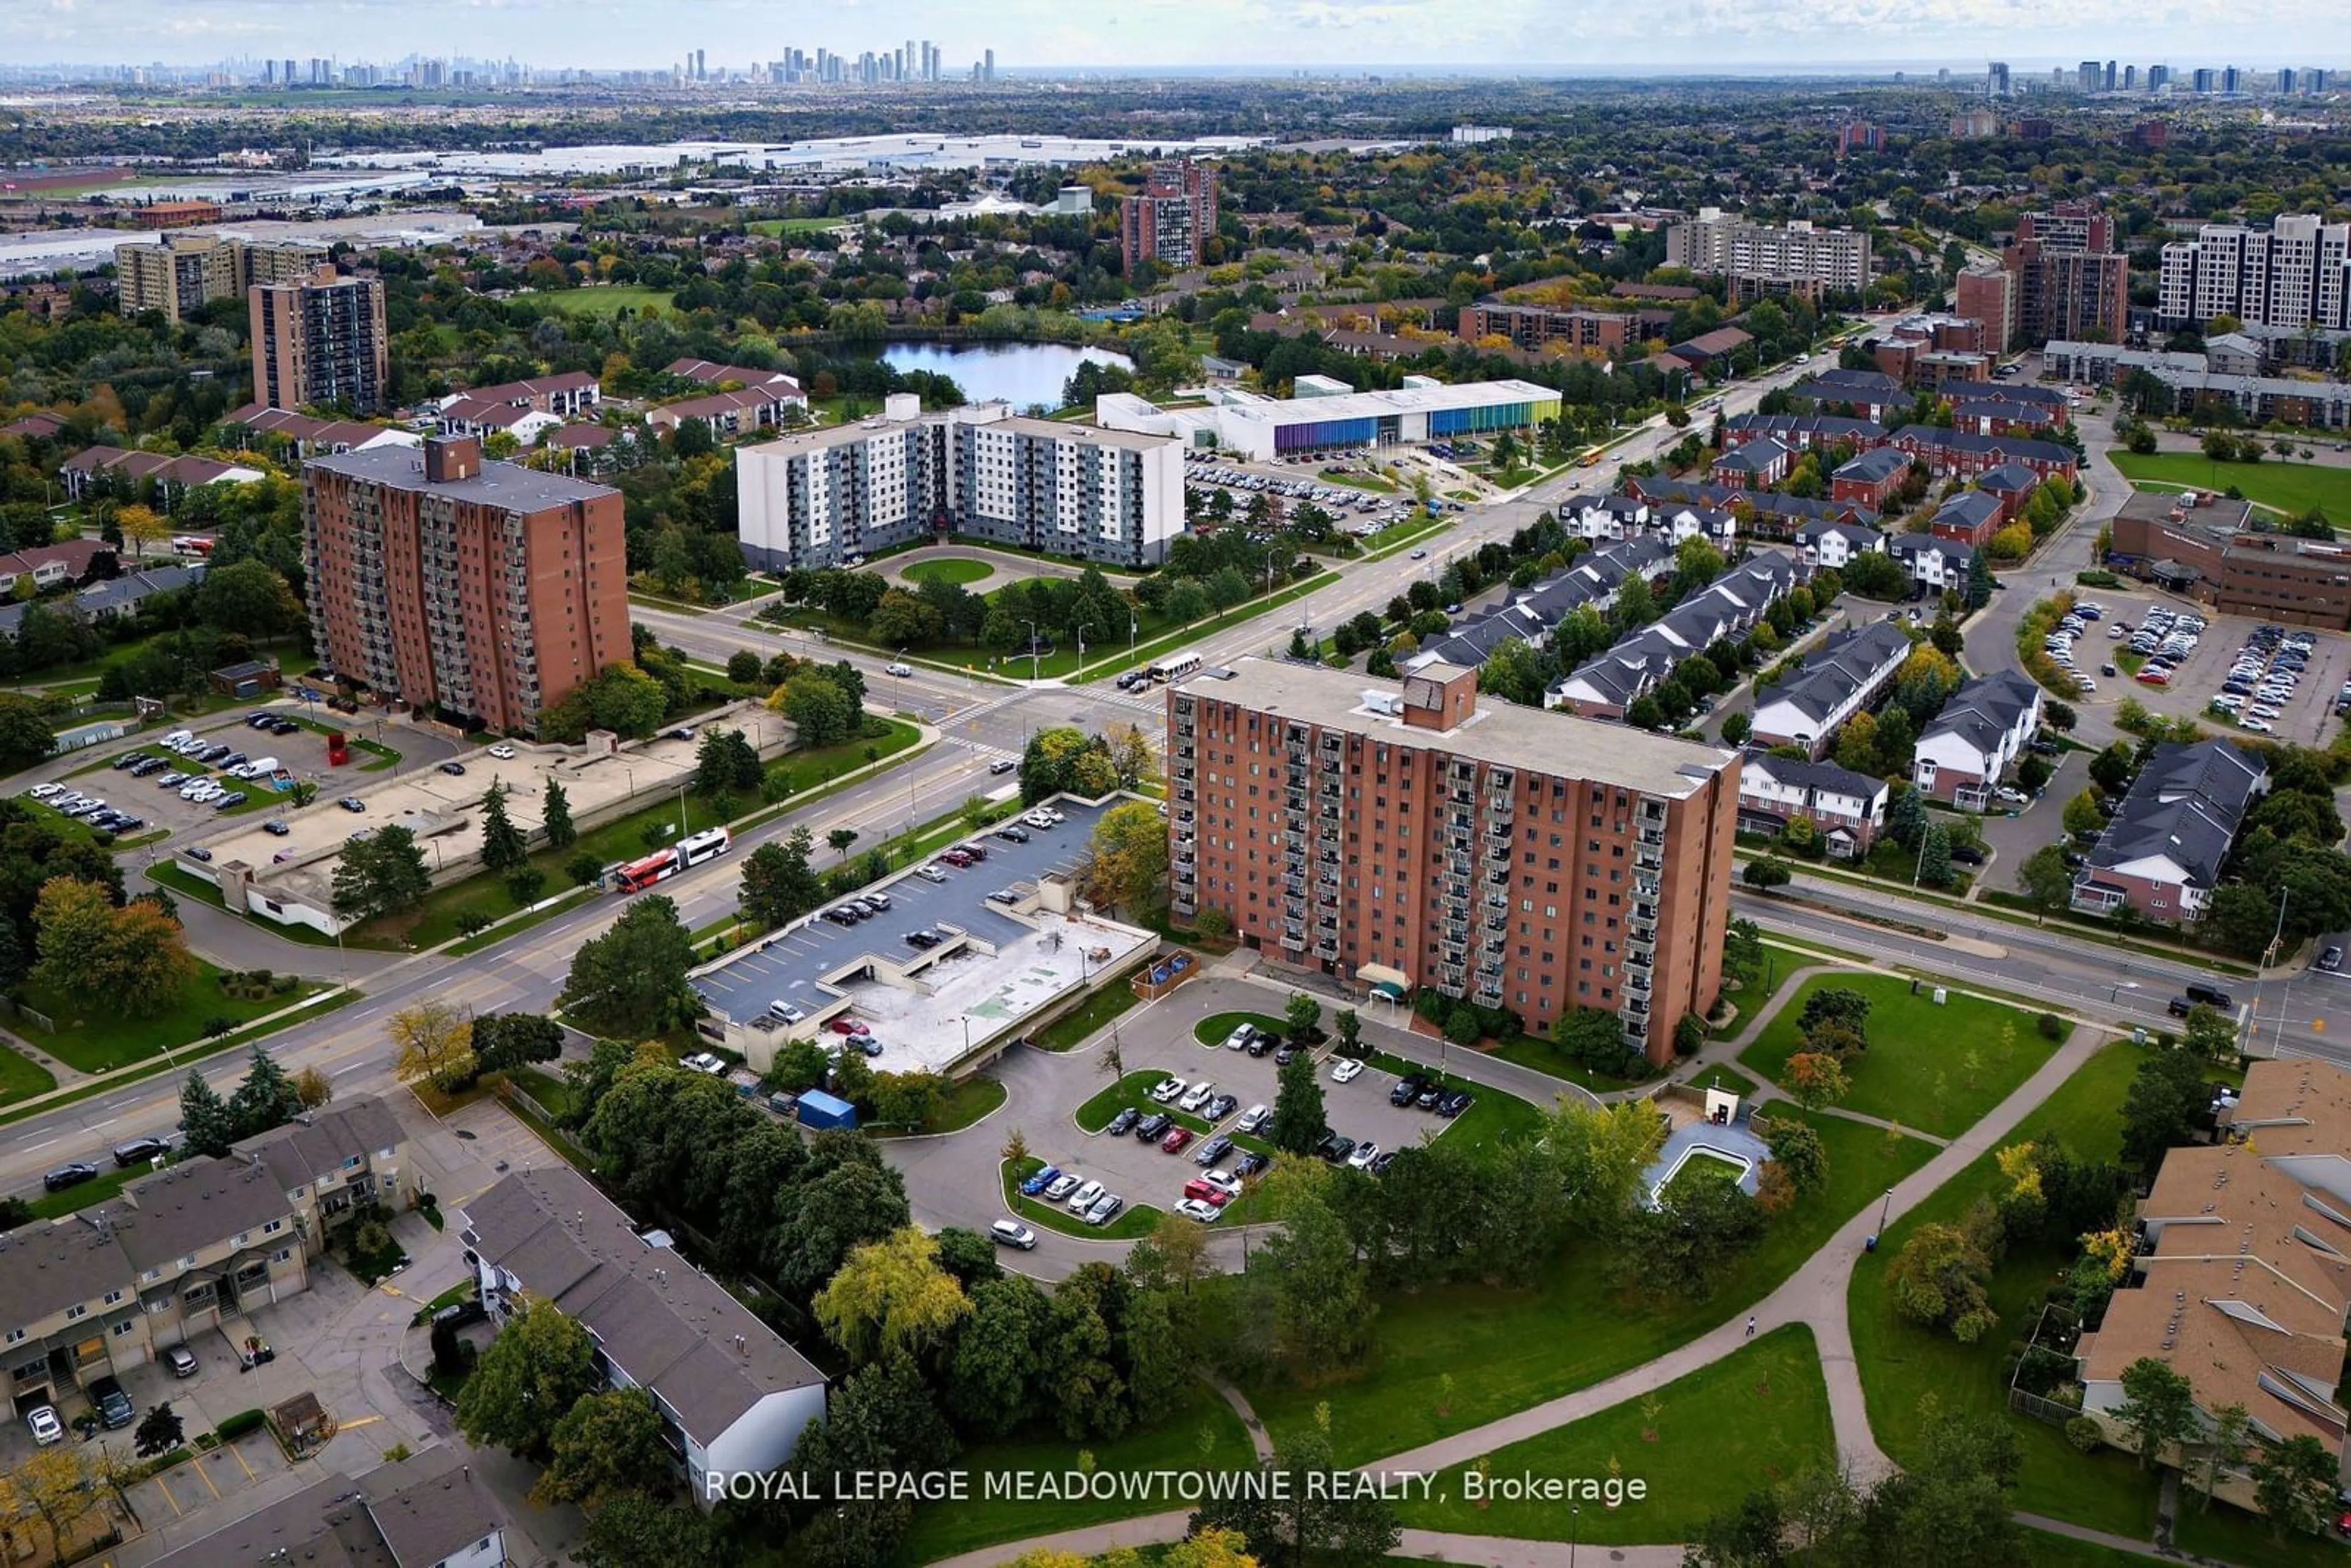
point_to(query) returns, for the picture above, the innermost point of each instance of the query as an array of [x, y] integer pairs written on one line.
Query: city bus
[[638, 875], [1174, 667], [709, 844]]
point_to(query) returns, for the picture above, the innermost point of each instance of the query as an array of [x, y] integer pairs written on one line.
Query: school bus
[[1591, 458]]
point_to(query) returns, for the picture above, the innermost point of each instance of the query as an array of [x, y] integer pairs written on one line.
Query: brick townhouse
[[1848, 808], [1959, 454], [2162, 851]]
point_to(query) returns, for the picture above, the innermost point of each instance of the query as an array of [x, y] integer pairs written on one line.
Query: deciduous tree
[[607, 1445], [540, 1365], [433, 1043]]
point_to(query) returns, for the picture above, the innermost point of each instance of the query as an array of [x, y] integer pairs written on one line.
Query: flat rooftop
[[1505, 734], [1403, 399], [1038, 956], [989, 416], [508, 485], [443, 809]]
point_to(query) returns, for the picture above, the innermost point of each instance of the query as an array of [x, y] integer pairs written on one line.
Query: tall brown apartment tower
[[2071, 283], [320, 341], [485, 590], [1518, 858], [1172, 219]]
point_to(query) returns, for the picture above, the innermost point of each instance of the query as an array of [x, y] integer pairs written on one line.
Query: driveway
[[2014, 838]]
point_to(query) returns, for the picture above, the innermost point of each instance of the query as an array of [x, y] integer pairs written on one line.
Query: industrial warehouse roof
[[1499, 732]]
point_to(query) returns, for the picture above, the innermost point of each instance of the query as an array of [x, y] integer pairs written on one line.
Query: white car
[[902, 669], [1346, 1070], [1238, 1040], [1166, 1089], [2089, 688], [1083, 1198], [2010, 797], [1194, 1209], [1364, 1154], [43, 791], [1061, 1186], [930, 872], [45, 1426], [1252, 1119], [1196, 1096], [503, 752], [703, 1061], [2258, 725], [1223, 1181]]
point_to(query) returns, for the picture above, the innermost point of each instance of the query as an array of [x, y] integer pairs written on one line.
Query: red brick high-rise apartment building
[[1518, 858], [485, 590], [1171, 220], [319, 340], [2071, 281]]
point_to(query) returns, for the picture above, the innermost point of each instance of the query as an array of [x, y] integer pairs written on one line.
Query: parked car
[[181, 1360], [72, 1174], [1407, 1088], [2330, 960], [503, 752], [1124, 1123], [1105, 1208], [1253, 1119], [1251, 1164], [1215, 1149], [1455, 1102], [1167, 1088], [1219, 1107], [1201, 1190], [1013, 834], [1196, 1096], [1173, 1143], [352, 803], [1363, 1155], [1200, 1213], [1335, 1148], [1346, 1070], [1062, 1186], [1083, 1198], [1037, 1180], [1151, 1126], [43, 1423], [114, 1408]]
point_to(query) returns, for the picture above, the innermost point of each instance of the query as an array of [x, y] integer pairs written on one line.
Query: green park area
[[773, 227], [1453, 1356], [1911, 1372], [949, 568], [22, 1078], [1937, 1067], [1200, 1432], [2292, 489], [606, 300], [93, 1037], [1757, 1418]]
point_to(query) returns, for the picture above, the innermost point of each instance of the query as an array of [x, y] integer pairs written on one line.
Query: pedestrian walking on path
[[1751, 1326]]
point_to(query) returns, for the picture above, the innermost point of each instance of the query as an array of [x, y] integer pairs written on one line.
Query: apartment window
[[12, 1336], [282, 1255], [122, 1329], [273, 1227], [77, 1311], [112, 1297]]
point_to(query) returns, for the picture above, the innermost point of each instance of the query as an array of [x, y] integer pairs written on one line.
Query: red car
[[849, 1026], [957, 857], [1207, 1193], [1176, 1139]]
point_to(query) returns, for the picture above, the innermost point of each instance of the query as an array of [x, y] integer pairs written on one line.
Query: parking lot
[[998, 959], [2202, 673], [1141, 1172]]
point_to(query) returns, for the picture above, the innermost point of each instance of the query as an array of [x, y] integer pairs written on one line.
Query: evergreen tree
[[205, 1117], [503, 846], [560, 834], [1905, 817], [265, 1099], [1298, 1114]]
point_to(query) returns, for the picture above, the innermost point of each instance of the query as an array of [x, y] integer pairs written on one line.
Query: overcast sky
[[1560, 33]]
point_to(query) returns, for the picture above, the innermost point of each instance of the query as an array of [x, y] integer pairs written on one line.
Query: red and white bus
[[188, 544], [638, 875]]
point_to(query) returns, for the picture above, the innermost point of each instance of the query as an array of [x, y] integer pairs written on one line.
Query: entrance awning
[[1392, 984]]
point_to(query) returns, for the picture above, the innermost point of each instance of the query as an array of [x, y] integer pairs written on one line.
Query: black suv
[[139, 1151], [1151, 1126], [67, 1176], [1123, 1122], [2212, 997], [1262, 1040], [113, 1406], [1407, 1089]]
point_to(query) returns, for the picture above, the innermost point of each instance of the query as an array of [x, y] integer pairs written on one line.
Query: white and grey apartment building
[[821, 497], [2295, 274]]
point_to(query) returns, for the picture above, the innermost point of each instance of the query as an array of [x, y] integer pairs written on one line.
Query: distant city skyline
[[1532, 36]]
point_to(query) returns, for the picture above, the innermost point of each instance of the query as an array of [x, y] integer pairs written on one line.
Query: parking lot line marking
[[176, 1510], [356, 1422], [204, 1476], [242, 1465]]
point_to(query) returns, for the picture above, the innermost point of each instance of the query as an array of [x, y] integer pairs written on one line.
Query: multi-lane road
[[980, 720]]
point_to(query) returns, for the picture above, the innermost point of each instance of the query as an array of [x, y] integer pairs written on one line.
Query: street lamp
[[1088, 626], [1032, 646], [1885, 1211]]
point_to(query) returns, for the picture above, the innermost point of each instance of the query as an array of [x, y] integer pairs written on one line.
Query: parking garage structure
[[1016, 946]]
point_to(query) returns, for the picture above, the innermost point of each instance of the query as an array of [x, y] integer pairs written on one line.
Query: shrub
[[285, 985], [2052, 1027], [2085, 1434], [240, 1423]]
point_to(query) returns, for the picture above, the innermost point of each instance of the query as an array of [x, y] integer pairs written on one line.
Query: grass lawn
[[1074, 1027], [183, 885], [499, 933], [1507, 1350], [93, 1040], [1902, 1365], [22, 1078], [608, 299], [1134, 1089], [1758, 1417], [1936, 1069], [966, 1102], [1492, 1116], [1130, 1224], [551, 1090], [87, 1195], [2233, 1535], [949, 568], [2293, 489], [2043, 1550], [1372, 482], [1543, 1056], [774, 227], [1211, 1030], [1198, 1433]]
